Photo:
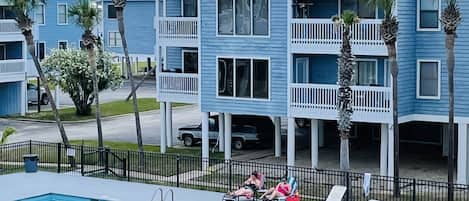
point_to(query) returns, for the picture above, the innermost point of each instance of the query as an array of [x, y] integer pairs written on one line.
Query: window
[[361, 7], [41, 49], [190, 60], [428, 16], [366, 73], [243, 17], [63, 45], [115, 39], [428, 79], [111, 12], [189, 8], [3, 52], [40, 10], [243, 78], [62, 17]]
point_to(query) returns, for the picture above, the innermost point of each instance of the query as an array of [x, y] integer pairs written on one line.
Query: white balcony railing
[[320, 101], [8, 26], [178, 87], [12, 66], [322, 35], [178, 29]]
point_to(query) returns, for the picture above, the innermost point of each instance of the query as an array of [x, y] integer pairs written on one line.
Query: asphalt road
[[115, 128]]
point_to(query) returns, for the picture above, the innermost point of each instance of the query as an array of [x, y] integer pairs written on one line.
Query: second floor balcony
[[178, 31], [178, 87], [12, 70]]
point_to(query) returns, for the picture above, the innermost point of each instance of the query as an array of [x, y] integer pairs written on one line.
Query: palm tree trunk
[[450, 63], [344, 154], [120, 20], [32, 51], [394, 73], [139, 84], [92, 62]]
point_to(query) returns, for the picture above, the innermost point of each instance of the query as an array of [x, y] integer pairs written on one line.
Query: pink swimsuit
[[283, 189]]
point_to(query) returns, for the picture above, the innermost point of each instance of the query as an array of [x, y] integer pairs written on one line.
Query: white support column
[[169, 124], [383, 160], [278, 137], [227, 136], [221, 132], [163, 127], [390, 150], [462, 154], [23, 98], [291, 142], [205, 141], [314, 144]]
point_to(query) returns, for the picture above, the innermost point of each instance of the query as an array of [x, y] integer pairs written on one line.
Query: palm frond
[[86, 16]]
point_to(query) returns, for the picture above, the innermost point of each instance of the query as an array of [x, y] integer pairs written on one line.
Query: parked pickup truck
[[246, 130]]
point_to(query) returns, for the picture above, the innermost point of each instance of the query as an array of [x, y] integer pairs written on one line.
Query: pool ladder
[[163, 198]]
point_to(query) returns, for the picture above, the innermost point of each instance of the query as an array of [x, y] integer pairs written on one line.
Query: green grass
[[186, 151], [107, 109]]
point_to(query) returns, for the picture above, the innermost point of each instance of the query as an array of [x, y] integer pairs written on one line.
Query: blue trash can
[[30, 163]]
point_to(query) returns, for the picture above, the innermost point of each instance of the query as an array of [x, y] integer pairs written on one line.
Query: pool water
[[58, 197]]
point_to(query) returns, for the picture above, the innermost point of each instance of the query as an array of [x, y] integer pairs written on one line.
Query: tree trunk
[[120, 20], [450, 63], [139, 84], [92, 62], [32, 51], [344, 154], [394, 73]]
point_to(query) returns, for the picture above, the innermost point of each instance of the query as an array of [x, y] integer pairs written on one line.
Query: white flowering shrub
[[71, 71]]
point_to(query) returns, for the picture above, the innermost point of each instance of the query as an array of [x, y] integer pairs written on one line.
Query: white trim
[[307, 68], [66, 14], [234, 35], [431, 118], [37, 48], [418, 19], [182, 59], [376, 67], [418, 96], [251, 78], [43, 14], [107, 12], [61, 41], [114, 45]]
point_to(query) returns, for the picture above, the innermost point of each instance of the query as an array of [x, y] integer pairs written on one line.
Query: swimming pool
[[58, 197]]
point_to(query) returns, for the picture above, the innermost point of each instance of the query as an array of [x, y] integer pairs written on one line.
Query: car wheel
[[188, 141], [238, 144], [44, 100]]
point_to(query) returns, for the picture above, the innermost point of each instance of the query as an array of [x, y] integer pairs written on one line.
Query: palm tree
[[87, 17], [119, 6], [346, 65], [451, 17], [22, 9], [389, 31]]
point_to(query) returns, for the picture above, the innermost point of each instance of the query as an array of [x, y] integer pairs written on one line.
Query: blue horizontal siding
[[10, 101], [274, 47]]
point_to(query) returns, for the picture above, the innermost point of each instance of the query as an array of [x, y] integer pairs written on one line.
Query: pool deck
[[24, 185]]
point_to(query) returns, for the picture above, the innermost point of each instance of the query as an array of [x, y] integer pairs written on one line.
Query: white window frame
[[234, 35], [45, 48], [376, 66], [66, 13], [418, 96], [182, 55], [182, 7], [307, 68], [107, 12], [418, 18], [61, 41], [251, 73], [115, 42], [43, 6]]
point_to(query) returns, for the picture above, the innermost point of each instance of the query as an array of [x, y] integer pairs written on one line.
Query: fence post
[[347, 184], [178, 158], [30, 146], [230, 182], [59, 156], [106, 161], [82, 156], [128, 165], [414, 189], [124, 164]]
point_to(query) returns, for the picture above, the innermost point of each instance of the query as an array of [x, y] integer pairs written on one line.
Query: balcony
[[178, 87], [12, 70], [9, 31], [178, 31], [321, 36], [319, 101]]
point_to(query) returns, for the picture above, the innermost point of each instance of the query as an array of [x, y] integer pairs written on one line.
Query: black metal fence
[[219, 175]]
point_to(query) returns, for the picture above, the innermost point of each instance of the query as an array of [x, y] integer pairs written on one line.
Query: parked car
[[32, 95], [246, 131]]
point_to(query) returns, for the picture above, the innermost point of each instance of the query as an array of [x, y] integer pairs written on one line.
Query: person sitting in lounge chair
[[281, 190], [249, 186]]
